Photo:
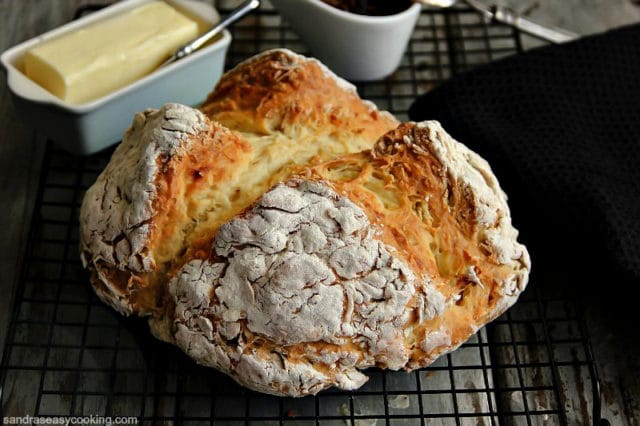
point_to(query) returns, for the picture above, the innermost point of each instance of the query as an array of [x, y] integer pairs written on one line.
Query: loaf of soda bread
[[291, 235]]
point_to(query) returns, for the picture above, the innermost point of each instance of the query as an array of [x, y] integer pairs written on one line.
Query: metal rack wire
[[68, 354]]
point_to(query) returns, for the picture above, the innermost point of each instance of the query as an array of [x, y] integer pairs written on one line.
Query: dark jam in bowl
[[371, 7]]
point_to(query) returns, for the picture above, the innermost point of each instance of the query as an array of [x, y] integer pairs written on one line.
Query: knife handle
[[549, 33], [507, 16]]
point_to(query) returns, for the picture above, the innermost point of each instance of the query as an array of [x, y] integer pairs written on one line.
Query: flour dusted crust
[[317, 238], [307, 278], [117, 210], [177, 174], [300, 271]]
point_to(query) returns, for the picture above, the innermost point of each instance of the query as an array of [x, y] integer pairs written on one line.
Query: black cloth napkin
[[560, 126]]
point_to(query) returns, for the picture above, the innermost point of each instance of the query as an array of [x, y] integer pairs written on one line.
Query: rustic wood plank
[[21, 151], [21, 148]]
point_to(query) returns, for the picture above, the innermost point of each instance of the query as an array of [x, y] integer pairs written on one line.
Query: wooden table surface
[[21, 149], [21, 152]]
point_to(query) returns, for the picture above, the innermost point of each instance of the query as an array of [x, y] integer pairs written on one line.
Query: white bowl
[[357, 47], [90, 127]]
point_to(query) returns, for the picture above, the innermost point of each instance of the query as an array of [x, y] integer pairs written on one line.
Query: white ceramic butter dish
[[90, 127]]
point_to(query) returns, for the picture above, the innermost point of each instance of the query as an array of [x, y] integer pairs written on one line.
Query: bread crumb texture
[[291, 235]]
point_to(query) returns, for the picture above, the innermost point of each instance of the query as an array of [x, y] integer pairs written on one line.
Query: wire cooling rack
[[67, 354]]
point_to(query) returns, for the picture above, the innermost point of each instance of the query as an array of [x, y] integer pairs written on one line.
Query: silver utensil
[[196, 43], [508, 16]]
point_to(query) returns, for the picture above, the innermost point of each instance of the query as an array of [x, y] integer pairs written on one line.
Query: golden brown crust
[[315, 239], [179, 178], [384, 258], [429, 213], [283, 109], [278, 91]]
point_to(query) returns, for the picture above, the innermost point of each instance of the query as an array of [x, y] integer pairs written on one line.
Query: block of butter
[[93, 61]]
